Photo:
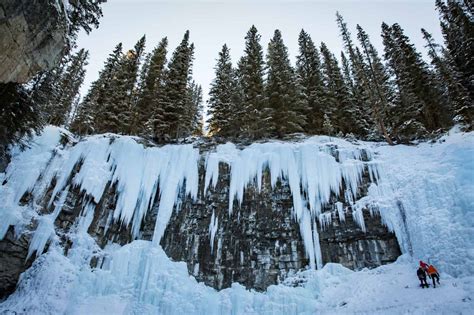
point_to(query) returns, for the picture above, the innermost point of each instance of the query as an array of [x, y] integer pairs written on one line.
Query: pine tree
[[308, 68], [255, 116], [379, 83], [195, 110], [223, 98], [457, 26], [149, 110], [454, 95], [358, 81], [337, 97], [92, 110], [419, 103], [281, 90], [68, 89], [119, 111], [175, 93]]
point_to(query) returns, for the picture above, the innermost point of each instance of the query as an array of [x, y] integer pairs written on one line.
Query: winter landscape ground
[[433, 181]]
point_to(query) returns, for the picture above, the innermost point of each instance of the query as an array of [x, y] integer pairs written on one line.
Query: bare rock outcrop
[[32, 38]]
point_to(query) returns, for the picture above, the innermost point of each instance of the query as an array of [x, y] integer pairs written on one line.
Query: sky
[[212, 23]]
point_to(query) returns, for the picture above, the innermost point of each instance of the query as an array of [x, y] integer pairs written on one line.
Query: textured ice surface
[[424, 193]]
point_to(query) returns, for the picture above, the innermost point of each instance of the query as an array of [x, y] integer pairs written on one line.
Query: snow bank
[[426, 194], [139, 278]]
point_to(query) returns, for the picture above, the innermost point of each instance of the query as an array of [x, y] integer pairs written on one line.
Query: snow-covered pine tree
[[149, 110], [337, 98], [308, 69], [175, 93], [91, 111], [280, 90], [419, 100], [255, 115], [359, 87], [457, 26], [68, 89], [380, 90], [223, 98]]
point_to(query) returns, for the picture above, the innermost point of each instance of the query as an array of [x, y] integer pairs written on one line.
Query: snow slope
[[425, 193]]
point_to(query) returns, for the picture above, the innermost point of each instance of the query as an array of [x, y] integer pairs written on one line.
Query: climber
[[433, 273], [422, 276], [423, 265]]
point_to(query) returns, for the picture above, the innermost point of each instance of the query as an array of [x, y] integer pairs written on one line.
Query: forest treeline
[[393, 95]]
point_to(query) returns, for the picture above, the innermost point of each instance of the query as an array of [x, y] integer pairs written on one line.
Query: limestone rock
[[32, 38]]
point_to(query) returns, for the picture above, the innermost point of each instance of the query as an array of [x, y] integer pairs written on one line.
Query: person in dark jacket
[[422, 276]]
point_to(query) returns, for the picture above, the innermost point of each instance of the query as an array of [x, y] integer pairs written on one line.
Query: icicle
[[213, 226], [45, 230], [340, 211]]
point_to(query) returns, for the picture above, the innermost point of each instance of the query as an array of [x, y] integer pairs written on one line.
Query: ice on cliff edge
[[424, 193], [310, 167]]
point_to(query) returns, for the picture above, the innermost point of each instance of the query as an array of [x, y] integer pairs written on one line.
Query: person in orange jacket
[[433, 273]]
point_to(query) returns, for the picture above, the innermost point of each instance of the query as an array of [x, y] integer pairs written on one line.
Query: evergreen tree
[[281, 90], [419, 106], [92, 110], [358, 81], [308, 68], [196, 110], [338, 99], [149, 110], [68, 89], [453, 92], [457, 26], [255, 116], [175, 100], [379, 83], [119, 110], [223, 98]]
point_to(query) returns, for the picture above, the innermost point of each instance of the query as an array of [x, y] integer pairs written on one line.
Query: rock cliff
[[257, 244], [32, 38]]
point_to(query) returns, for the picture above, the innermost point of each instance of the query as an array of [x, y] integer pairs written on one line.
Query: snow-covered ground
[[425, 193]]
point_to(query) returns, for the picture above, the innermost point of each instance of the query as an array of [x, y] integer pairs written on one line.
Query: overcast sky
[[213, 23]]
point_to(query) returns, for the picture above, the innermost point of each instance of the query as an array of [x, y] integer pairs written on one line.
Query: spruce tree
[[419, 105], [308, 69], [92, 110], [255, 116], [380, 91], [358, 81], [68, 89], [280, 90], [149, 110], [338, 98], [223, 98], [457, 26], [119, 111], [175, 100], [195, 108]]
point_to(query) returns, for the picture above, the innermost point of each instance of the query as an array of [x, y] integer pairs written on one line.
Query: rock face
[[257, 245], [260, 242], [32, 38], [13, 253]]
